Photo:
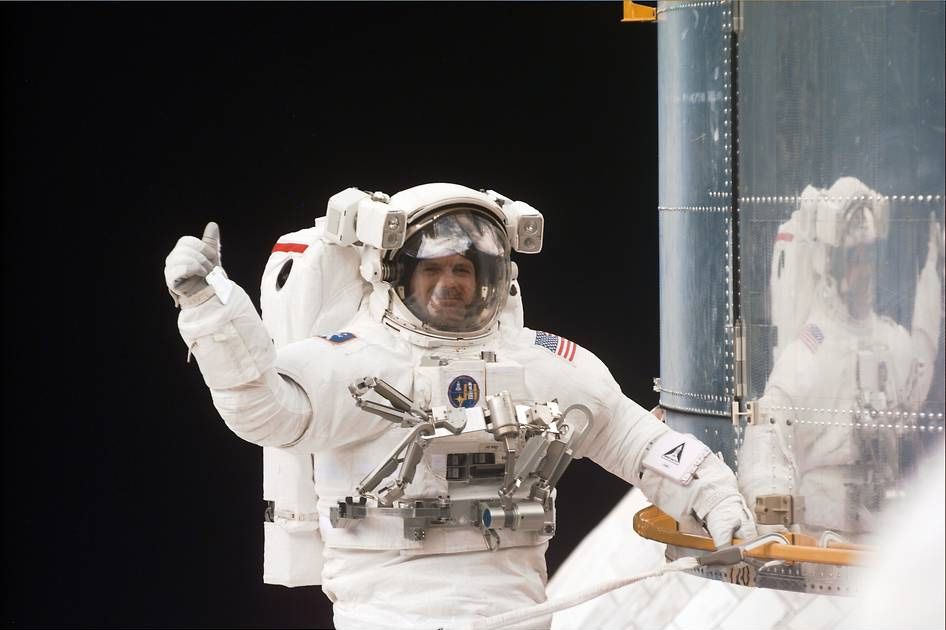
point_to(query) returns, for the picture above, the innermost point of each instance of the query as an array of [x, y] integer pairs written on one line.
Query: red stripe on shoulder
[[297, 248]]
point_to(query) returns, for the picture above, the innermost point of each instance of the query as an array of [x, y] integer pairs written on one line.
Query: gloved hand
[[706, 495], [187, 266], [724, 511], [730, 518]]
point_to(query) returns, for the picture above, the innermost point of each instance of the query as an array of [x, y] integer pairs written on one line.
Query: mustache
[[447, 294]]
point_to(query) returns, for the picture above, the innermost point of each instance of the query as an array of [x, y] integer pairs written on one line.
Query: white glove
[[711, 497], [726, 517], [187, 266], [730, 517]]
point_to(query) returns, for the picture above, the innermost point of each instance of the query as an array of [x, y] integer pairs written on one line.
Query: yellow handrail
[[656, 525]]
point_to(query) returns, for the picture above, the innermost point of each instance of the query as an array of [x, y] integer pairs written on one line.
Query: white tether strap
[[567, 601]]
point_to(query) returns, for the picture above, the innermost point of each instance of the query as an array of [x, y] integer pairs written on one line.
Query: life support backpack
[[310, 287], [796, 271]]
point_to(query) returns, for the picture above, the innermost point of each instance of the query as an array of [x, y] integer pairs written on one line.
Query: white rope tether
[[560, 603]]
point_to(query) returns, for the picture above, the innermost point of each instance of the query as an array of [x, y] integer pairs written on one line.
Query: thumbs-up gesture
[[187, 266]]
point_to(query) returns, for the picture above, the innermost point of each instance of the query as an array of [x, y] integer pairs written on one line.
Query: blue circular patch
[[339, 337], [463, 391]]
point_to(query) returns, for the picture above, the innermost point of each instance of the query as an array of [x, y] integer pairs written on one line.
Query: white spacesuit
[[440, 424], [846, 378]]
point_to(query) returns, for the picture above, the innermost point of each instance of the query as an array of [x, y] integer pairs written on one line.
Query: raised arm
[[222, 329], [927, 314]]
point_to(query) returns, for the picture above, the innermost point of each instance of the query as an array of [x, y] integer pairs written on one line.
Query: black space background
[[127, 502]]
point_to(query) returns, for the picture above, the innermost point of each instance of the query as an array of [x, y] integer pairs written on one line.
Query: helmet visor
[[453, 272]]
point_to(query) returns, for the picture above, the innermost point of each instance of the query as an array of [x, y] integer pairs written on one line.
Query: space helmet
[[451, 277]]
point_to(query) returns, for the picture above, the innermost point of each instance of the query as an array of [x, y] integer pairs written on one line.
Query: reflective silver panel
[[841, 203], [695, 188], [831, 256]]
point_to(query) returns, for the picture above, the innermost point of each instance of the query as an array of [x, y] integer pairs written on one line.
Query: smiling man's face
[[445, 288]]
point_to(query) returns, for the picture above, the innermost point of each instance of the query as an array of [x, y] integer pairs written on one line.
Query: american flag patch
[[557, 345], [811, 336]]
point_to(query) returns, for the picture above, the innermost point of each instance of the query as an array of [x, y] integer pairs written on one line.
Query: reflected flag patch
[[812, 336], [558, 346]]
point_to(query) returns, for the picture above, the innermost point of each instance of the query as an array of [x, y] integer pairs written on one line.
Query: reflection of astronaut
[[844, 371], [413, 495]]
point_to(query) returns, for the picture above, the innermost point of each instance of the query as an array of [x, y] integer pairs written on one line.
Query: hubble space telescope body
[[801, 265], [801, 201]]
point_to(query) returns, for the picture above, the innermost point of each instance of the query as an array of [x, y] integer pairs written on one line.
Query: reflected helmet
[[852, 219], [850, 214]]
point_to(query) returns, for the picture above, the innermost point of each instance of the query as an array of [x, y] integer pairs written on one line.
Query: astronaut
[[439, 422], [821, 440]]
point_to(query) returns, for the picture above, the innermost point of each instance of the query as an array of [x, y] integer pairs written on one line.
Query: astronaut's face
[[452, 273], [444, 288], [857, 283]]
